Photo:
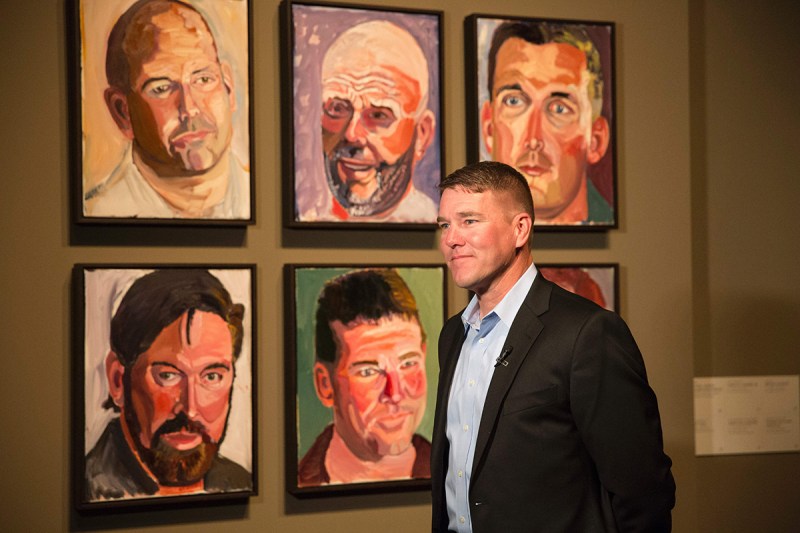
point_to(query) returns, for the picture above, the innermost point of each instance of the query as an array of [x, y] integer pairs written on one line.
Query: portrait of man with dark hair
[[545, 108], [177, 365], [165, 118], [369, 376]]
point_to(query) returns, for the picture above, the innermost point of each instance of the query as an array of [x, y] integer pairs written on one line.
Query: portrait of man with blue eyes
[[170, 372], [544, 114], [174, 101]]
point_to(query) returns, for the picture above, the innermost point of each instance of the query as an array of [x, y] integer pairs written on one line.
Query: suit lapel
[[521, 336]]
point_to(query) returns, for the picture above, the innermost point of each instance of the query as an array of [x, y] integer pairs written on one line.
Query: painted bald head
[[375, 120]]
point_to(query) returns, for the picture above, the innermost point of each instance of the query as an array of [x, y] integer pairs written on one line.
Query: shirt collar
[[507, 309]]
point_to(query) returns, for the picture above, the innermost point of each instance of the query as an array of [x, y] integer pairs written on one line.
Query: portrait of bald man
[[165, 110], [366, 115]]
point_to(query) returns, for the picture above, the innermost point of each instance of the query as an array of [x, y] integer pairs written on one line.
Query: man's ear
[[523, 226], [322, 384], [426, 127], [227, 79], [117, 104], [114, 372], [598, 144], [487, 127]]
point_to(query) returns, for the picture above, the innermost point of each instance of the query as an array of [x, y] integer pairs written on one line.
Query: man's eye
[[514, 100], [409, 364], [160, 90], [444, 225], [167, 378], [561, 109], [205, 80], [213, 379], [367, 372], [337, 109], [470, 221]]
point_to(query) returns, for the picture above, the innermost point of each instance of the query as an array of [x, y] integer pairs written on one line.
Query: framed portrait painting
[[161, 112], [363, 119], [164, 366], [541, 98], [361, 376], [598, 282]]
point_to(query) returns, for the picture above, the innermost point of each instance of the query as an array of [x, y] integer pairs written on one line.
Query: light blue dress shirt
[[482, 346]]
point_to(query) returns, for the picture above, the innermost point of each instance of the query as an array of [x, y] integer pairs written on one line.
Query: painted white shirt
[[126, 194]]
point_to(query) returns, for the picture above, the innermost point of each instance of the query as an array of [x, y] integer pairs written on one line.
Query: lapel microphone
[[501, 359]]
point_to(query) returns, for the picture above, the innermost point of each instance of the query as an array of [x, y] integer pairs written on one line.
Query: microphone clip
[[501, 359]]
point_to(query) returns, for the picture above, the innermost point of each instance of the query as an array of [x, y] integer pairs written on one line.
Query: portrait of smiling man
[[370, 371], [544, 114], [170, 370], [366, 113], [173, 100]]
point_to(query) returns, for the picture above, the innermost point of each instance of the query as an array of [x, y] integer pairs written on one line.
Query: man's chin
[[178, 467]]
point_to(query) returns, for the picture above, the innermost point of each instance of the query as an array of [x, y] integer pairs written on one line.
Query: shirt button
[[460, 473], [466, 427], [462, 520], [471, 382], [482, 340]]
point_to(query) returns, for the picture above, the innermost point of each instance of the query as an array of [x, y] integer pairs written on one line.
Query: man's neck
[[344, 467], [488, 299], [190, 196]]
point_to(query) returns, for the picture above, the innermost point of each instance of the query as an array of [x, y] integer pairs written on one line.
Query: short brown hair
[[492, 176]]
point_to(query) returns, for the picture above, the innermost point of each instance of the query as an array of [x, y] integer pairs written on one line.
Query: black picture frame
[[108, 186], [598, 282], [307, 419], [589, 201], [97, 292], [313, 198]]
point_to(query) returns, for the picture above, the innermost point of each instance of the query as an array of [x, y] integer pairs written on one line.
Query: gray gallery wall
[[708, 247]]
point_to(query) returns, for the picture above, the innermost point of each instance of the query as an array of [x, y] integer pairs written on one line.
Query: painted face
[[478, 237], [181, 98], [369, 126], [539, 120], [379, 385], [179, 397]]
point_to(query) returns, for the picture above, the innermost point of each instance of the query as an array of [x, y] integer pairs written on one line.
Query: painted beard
[[393, 181], [174, 468]]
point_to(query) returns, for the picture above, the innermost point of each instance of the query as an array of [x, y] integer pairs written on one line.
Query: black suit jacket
[[570, 436]]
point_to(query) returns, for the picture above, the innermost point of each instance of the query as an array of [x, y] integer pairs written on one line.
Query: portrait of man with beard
[[375, 80], [180, 116], [170, 369]]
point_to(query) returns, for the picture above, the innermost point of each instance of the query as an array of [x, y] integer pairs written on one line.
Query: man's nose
[[355, 132], [534, 139], [451, 237], [392, 390], [188, 400], [187, 105]]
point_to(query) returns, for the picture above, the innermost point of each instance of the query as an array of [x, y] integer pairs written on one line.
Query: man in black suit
[[544, 417]]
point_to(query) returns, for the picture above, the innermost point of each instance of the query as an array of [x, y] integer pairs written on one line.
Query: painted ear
[[599, 140], [114, 372], [117, 104], [425, 132], [227, 79], [323, 385], [487, 128]]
